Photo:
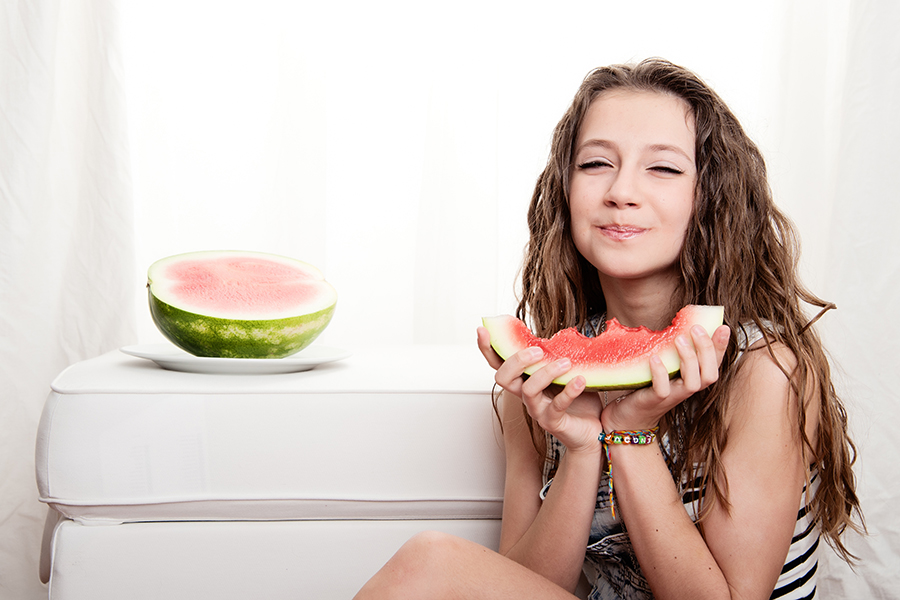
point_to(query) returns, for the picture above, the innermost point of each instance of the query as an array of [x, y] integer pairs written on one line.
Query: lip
[[621, 232]]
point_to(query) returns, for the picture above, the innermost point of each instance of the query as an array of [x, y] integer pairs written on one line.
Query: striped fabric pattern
[[798, 576]]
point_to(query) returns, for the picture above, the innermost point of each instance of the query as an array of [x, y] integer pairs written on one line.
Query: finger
[[721, 338], [509, 374], [708, 355], [690, 364], [484, 344], [659, 374], [563, 400], [540, 380], [552, 414]]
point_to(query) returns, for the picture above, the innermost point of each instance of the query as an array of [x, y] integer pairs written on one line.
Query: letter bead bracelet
[[640, 437]]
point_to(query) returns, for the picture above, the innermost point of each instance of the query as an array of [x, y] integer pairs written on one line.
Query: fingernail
[[681, 341], [564, 363], [535, 353]]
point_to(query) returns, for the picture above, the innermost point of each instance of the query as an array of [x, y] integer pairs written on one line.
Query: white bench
[[301, 485]]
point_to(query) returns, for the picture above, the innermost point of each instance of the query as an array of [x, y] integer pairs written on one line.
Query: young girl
[[654, 198]]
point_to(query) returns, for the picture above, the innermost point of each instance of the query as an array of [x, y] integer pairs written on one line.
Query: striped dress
[[613, 570], [611, 566], [798, 575]]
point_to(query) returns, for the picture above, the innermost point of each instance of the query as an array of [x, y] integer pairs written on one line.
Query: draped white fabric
[[394, 145], [66, 235]]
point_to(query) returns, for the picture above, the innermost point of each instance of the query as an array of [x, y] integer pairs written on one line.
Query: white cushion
[[389, 433], [233, 560]]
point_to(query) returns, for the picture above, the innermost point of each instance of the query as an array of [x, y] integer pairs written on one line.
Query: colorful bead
[[641, 438]]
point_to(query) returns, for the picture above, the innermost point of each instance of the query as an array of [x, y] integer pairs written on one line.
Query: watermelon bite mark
[[619, 358]]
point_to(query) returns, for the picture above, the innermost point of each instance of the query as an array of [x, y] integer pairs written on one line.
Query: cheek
[[579, 220], [579, 228], [682, 221], [678, 219], [680, 211]]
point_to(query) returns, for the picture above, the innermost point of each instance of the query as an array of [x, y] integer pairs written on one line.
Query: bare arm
[[741, 551], [549, 536]]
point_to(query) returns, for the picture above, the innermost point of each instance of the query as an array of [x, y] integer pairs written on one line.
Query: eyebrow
[[669, 148], [598, 143]]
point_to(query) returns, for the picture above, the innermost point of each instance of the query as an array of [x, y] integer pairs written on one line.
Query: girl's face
[[631, 190]]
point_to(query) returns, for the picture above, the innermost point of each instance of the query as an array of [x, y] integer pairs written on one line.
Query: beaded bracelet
[[640, 437]]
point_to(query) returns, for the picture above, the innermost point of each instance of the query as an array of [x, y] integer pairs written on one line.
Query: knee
[[432, 541], [416, 569], [427, 552]]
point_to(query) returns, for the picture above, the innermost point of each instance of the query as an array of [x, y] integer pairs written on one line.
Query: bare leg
[[439, 566]]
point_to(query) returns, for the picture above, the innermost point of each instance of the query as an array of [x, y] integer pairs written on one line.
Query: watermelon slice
[[235, 304], [617, 359]]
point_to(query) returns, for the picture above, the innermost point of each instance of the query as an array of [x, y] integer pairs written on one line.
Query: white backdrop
[[395, 145]]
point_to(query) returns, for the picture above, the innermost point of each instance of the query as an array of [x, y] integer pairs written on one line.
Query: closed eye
[[594, 164], [667, 170]]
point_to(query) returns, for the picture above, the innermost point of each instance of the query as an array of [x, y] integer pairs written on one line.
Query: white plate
[[173, 358]]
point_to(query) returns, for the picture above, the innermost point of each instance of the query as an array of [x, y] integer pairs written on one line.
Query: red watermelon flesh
[[241, 285], [237, 304], [619, 358]]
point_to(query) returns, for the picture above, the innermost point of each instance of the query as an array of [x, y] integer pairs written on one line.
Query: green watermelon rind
[[633, 375], [207, 336]]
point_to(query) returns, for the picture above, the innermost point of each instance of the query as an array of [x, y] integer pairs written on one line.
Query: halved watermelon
[[236, 304], [619, 358]]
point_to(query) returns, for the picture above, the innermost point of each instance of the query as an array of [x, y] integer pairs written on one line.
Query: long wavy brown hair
[[740, 251]]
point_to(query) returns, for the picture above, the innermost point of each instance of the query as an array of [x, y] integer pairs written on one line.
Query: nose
[[623, 189]]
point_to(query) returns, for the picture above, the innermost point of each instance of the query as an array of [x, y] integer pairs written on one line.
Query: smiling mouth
[[621, 232]]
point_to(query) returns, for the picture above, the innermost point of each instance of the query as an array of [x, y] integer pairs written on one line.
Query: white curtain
[[66, 235], [858, 206], [394, 145]]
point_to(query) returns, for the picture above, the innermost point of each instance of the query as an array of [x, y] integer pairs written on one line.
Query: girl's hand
[[700, 362], [484, 344], [570, 415]]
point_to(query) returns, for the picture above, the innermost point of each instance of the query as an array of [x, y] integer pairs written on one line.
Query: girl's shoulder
[[752, 337], [762, 386]]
